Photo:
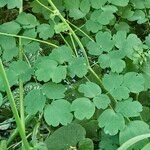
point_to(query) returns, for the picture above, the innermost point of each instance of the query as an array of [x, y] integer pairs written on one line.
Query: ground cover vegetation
[[74, 74]]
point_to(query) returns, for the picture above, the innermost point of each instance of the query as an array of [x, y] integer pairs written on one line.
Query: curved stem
[[29, 38]]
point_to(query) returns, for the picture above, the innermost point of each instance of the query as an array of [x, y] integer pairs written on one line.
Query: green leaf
[[61, 54], [62, 112], [101, 101], [8, 54], [134, 81], [74, 68], [77, 9], [119, 2], [86, 144], [120, 86], [113, 60], [3, 3], [94, 48], [32, 47], [108, 142], [90, 89], [114, 84], [29, 33], [111, 121], [34, 101], [61, 27], [101, 38], [11, 42], [45, 31], [10, 27], [66, 137], [129, 108], [122, 26], [133, 129], [120, 39], [1, 99], [138, 16], [53, 71], [53, 90], [138, 4], [93, 26], [21, 70], [10, 4], [102, 17], [83, 108], [27, 20], [97, 4]]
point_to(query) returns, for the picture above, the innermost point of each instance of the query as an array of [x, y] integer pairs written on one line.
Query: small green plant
[[75, 74]]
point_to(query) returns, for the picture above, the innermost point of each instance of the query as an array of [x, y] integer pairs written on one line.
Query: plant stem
[[80, 30], [29, 38], [15, 132], [13, 106], [73, 44], [21, 90]]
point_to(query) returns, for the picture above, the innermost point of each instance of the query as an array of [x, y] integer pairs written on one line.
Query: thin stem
[[80, 30], [15, 131], [13, 106], [44, 6], [29, 38], [21, 103], [74, 47], [21, 90], [65, 40], [15, 145], [27, 60]]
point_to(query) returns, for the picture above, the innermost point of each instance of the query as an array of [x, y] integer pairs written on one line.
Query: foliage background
[[80, 75]]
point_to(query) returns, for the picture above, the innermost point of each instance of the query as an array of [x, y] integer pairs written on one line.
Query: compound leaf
[[129, 108]]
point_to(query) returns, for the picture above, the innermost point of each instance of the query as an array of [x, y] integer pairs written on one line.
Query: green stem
[[15, 132], [65, 40], [13, 106], [80, 30], [29, 38], [44, 6], [21, 90], [73, 44]]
